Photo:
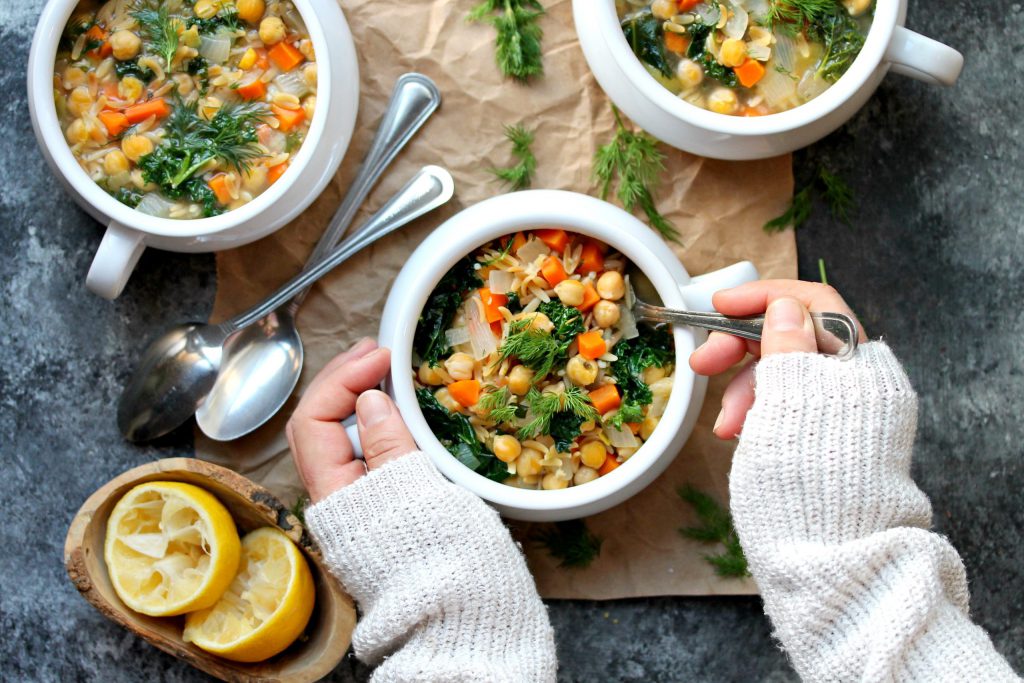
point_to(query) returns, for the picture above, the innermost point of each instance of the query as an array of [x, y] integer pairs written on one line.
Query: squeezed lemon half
[[171, 548], [265, 608]]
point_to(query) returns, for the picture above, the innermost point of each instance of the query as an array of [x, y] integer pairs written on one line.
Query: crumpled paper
[[719, 208]]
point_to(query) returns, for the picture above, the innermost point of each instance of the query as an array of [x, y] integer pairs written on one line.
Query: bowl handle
[[920, 57], [698, 291], [115, 260]]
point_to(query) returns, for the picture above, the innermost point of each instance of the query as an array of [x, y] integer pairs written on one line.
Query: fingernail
[[784, 315], [372, 407], [718, 420]]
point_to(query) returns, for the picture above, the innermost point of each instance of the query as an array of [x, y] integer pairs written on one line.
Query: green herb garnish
[[843, 40], [226, 19], [547, 406], [830, 187], [293, 141], [200, 68], [715, 527], [570, 542], [298, 508], [160, 29], [645, 36], [128, 196], [539, 350], [132, 68], [821, 271], [791, 15], [698, 52], [498, 406], [520, 175], [429, 341], [517, 47], [456, 434], [632, 160], [635, 355]]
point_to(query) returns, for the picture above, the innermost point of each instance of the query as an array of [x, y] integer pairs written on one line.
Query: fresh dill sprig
[[791, 15], [298, 508], [160, 29], [821, 271], [715, 527], [830, 187], [632, 160], [535, 349], [544, 405], [520, 175], [517, 46], [571, 543], [505, 251], [498, 406]]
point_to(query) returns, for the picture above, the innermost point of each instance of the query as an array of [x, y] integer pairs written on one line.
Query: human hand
[[787, 328], [321, 449]]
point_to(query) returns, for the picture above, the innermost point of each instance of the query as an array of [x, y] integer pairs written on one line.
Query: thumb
[[382, 433], [787, 328]]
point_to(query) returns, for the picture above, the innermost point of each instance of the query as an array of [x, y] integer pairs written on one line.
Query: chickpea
[[593, 454], [733, 53], [606, 313], [661, 389], [520, 379], [204, 9], [79, 100], [190, 37], [538, 321], [570, 292], [689, 73], [445, 398], [429, 375], [553, 482], [611, 286], [723, 101], [506, 447], [272, 30], [125, 44], [251, 11], [581, 371], [528, 462], [584, 475], [136, 146], [663, 9], [115, 162], [253, 180], [77, 132], [653, 374], [74, 77], [309, 73], [130, 88], [647, 426], [460, 366]]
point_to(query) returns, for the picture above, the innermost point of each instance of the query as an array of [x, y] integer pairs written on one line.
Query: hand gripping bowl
[[129, 231], [695, 130], [505, 214]]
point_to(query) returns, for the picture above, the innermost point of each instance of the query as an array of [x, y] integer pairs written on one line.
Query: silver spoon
[[179, 367], [261, 365], [836, 333]]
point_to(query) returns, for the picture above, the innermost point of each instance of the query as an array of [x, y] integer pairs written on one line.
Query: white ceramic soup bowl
[[690, 128], [464, 233], [129, 231]]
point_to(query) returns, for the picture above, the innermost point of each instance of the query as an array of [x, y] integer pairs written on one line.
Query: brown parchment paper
[[719, 208]]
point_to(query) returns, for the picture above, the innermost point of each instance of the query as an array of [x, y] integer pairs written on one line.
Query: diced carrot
[[496, 328], [591, 344], [491, 303], [518, 242], [634, 427], [687, 5], [605, 398], [114, 121], [553, 271], [105, 49], [749, 72], [253, 90], [157, 107], [610, 463], [287, 118], [590, 297], [219, 185], [285, 56], [591, 258], [556, 239], [465, 391], [755, 111], [275, 172], [676, 42]]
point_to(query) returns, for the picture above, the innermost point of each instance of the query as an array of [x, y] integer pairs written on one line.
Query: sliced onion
[[293, 83], [758, 9], [660, 400], [811, 85], [481, 336], [627, 323], [621, 438], [456, 336], [155, 205], [778, 89], [785, 52], [294, 20], [531, 250], [736, 26], [761, 53], [708, 13], [216, 48], [500, 281]]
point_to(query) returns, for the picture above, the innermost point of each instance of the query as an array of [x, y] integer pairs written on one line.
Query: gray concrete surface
[[933, 263]]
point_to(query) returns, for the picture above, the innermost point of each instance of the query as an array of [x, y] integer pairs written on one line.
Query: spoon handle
[[836, 333], [414, 98], [431, 187]]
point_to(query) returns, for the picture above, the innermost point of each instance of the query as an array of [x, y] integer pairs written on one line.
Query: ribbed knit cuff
[[825, 451]]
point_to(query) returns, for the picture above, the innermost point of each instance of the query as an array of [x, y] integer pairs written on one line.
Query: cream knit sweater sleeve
[[444, 591], [836, 532]]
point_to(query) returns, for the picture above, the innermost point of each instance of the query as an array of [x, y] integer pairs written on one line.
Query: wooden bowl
[[309, 658]]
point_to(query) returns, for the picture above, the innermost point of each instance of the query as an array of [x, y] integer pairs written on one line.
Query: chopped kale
[[132, 68], [645, 36], [456, 434], [653, 349], [429, 340], [698, 52], [128, 196]]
